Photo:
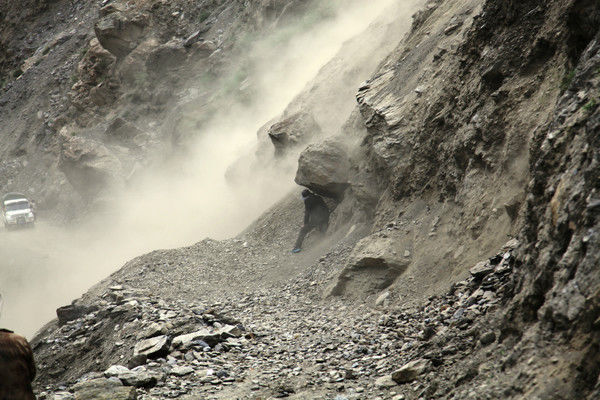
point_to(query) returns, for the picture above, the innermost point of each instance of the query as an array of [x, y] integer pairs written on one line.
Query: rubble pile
[[275, 346]]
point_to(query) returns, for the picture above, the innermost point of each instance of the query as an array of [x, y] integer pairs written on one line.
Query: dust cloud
[[183, 201]]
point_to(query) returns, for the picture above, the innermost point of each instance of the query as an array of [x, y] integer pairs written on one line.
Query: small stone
[[115, 370], [385, 382], [487, 338], [181, 370], [62, 396], [382, 298]]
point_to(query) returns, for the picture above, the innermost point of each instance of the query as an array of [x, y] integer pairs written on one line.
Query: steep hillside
[[94, 93], [462, 257]]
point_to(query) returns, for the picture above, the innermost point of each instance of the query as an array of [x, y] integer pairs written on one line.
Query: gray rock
[[293, 131], [185, 341], [409, 372], [377, 252], [153, 348], [70, 313], [103, 389], [385, 382], [229, 331], [324, 168], [62, 396], [137, 360], [115, 370], [166, 56], [121, 129], [372, 266], [119, 32], [487, 338], [138, 377], [382, 298], [181, 370], [89, 166], [152, 330], [480, 270]]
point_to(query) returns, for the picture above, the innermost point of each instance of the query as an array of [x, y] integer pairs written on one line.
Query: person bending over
[[316, 216]]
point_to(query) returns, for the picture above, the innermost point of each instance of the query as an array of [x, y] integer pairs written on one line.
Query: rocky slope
[[481, 126], [94, 93]]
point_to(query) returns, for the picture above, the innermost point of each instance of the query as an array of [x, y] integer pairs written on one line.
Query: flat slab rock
[[103, 389], [153, 348], [481, 270], [210, 337]]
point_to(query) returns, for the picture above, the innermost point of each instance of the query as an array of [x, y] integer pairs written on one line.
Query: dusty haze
[[184, 201]]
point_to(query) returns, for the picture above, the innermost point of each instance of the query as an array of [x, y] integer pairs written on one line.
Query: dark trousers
[[322, 227]]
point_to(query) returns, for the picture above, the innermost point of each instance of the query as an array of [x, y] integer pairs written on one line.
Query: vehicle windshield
[[21, 205]]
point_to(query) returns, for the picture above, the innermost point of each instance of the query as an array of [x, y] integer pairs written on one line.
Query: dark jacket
[[17, 368], [315, 210]]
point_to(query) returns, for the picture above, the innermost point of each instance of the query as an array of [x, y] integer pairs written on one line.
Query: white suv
[[17, 211]]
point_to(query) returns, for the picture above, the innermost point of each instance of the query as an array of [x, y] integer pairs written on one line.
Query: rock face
[[324, 168], [292, 132]]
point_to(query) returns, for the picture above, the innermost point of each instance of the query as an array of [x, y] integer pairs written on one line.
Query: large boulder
[[89, 165], [373, 265], [324, 168], [293, 131], [120, 32], [377, 252]]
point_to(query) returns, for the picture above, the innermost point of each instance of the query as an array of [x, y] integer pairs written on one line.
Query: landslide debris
[[235, 340], [481, 126]]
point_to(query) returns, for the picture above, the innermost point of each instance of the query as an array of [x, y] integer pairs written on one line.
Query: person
[[316, 216], [17, 368]]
